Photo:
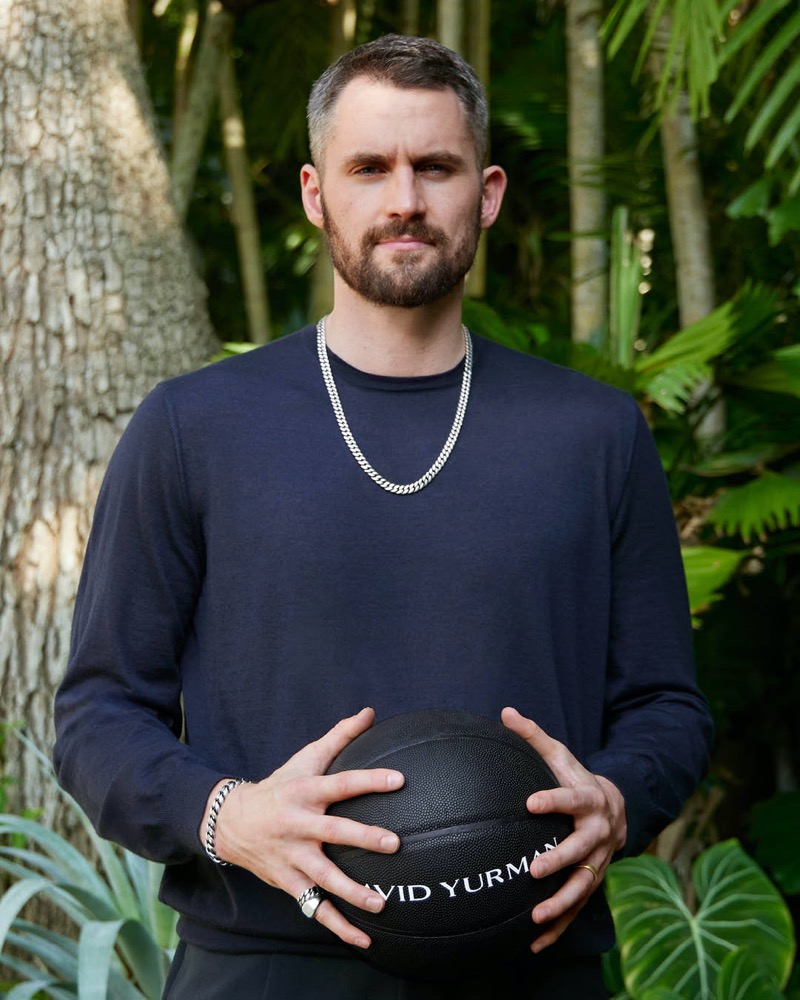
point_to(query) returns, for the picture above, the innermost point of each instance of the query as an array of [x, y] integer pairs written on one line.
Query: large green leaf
[[749, 312], [707, 570], [742, 977], [769, 503], [673, 388], [664, 944]]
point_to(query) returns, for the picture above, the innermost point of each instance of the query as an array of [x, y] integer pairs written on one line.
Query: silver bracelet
[[211, 825]]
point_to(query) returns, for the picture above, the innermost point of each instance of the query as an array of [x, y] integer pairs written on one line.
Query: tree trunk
[[478, 51], [243, 207], [191, 138], [688, 220], [98, 301], [343, 35], [586, 147], [450, 24], [183, 52]]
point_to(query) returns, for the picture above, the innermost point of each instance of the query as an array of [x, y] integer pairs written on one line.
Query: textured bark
[[586, 147], [688, 219], [243, 207], [98, 301]]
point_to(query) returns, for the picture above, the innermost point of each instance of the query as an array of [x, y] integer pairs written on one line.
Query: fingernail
[[390, 843], [536, 947], [394, 779], [375, 903], [361, 942]]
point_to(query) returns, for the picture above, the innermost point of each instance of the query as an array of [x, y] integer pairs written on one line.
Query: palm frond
[[769, 503], [781, 374], [708, 569], [749, 312], [684, 35], [672, 388]]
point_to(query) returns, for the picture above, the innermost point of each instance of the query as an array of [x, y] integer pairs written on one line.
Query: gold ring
[[591, 868]]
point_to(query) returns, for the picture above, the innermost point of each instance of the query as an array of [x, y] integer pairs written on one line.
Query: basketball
[[458, 893]]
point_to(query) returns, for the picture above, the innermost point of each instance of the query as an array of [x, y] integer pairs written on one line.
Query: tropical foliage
[[123, 936], [736, 940]]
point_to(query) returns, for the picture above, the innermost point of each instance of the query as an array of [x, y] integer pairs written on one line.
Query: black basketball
[[458, 893]]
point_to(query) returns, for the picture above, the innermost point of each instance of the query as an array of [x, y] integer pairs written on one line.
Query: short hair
[[405, 62]]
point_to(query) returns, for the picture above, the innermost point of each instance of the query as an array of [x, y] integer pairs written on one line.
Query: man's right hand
[[275, 828]]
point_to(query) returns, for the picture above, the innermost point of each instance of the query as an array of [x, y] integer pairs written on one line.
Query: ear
[[312, 194], [494, 187]]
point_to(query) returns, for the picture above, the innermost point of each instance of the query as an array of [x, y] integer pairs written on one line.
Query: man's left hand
[[598, 811]]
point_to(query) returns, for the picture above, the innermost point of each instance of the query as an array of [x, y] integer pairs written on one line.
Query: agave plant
[[124, 936]]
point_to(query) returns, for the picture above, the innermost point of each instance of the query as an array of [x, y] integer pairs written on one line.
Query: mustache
[[413, 228]]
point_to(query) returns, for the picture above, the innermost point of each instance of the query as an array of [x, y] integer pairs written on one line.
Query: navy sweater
[[241, 560]]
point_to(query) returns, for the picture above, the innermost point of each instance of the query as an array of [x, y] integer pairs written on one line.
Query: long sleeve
[[118, 711], [657, 724]]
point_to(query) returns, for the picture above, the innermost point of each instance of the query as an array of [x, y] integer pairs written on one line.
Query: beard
[[408, 282]]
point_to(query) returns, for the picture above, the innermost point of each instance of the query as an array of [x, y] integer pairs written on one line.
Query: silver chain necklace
[[350, 441]]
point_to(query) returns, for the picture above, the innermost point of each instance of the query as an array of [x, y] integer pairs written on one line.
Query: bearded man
[[381, 510]]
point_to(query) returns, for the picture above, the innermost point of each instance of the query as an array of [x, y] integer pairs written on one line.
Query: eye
[[368, 170], [435, 169]]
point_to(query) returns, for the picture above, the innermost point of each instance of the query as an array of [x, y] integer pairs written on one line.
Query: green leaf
[[766, 61], [672, 388], [753, 201], [95, 954], [27, 991], [774, 829], [707, 570], [741, 317], [783, 219], [769, 503], [781, 374], [747, 29], [731, 463], [742, 977], [625, 299], [665, 945]]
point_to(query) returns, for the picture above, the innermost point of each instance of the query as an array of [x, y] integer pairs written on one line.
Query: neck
[[384, 340]]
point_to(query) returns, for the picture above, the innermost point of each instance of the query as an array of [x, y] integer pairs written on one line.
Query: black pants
[[197, 974]]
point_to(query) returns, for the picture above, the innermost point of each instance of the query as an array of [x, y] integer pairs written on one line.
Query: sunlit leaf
[[665, 944], [751, 310], [673, 387], [769, 503], [707, 570]]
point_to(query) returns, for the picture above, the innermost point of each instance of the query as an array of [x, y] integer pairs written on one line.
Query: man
[[248, 558]]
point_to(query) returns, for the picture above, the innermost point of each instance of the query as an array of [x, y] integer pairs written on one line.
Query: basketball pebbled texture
[[458, 892]]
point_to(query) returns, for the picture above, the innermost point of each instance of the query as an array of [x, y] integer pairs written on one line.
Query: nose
[[404, 199]]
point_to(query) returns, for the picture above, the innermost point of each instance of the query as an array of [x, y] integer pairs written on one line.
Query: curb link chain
[[350, 441]]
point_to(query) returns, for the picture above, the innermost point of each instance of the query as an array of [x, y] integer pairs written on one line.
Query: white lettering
[[493, 876], [523, 867], [450, 888], [412, 893], [551, 847], [469, 888]]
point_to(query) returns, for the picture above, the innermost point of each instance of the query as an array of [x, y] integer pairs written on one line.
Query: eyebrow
[[435, 156]]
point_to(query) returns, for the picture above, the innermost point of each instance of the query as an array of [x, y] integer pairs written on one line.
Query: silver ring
[[309, 901]]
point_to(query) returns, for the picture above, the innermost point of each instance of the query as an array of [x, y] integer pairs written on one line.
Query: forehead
[[378, 117]]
